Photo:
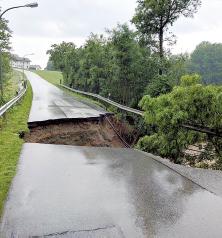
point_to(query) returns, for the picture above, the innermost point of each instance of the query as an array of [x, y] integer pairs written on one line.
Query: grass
[[52, 77], [14, 81], [10, 142]]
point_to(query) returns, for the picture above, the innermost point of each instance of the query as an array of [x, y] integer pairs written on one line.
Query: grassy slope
[[15, 123], [52, 77], [14, 81]]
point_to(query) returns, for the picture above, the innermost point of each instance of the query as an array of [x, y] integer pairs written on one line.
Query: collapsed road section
[[96, 133], [57, 117]]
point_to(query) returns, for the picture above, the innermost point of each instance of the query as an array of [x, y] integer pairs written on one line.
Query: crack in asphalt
[[90, 230]]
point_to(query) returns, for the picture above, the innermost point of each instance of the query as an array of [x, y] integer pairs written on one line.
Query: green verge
[[10, 142], [14, 81], [54, 77]]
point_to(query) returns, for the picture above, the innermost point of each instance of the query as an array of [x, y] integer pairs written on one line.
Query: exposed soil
[[89, 133]]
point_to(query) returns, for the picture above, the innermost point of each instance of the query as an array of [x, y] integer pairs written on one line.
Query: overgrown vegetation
[[10, 141], [190, 103]]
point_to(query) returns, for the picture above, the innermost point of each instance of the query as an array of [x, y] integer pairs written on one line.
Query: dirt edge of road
[[97, 133]]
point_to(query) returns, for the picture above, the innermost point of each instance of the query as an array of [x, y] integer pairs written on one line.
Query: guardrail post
[[16, 94]]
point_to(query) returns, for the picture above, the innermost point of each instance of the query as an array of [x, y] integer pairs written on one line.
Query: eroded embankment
[[90, 133]]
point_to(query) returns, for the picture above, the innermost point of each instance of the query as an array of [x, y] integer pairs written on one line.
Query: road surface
[[53, 104], [71, 190]]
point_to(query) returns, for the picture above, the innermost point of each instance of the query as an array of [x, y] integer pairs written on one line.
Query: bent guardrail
[[5, 107], [129, 109], [195, 127]]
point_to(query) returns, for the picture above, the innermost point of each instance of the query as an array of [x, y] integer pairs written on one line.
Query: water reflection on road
[[161, 202], [69, 188]]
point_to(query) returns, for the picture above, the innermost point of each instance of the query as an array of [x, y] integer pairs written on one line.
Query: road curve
[[52, 104]]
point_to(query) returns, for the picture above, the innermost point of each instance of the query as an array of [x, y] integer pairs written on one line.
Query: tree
[[158, 86], [92, 63], [175, 67], [5, 35], [153, 17], [72, 65], [126, 66], [57, 56], [207, 61], [191, 103], [178, 67], [50, 66]]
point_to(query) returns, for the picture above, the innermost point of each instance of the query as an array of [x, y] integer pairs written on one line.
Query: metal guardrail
[[195, 127], [129, 109], [5, 107]]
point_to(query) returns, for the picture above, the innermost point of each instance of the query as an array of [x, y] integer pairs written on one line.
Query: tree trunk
[[161, 46]]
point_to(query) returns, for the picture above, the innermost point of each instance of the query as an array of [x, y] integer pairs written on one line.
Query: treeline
[[128, 64], [120, 66]]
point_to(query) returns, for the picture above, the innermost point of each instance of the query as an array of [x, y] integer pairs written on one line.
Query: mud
[[89, 133]]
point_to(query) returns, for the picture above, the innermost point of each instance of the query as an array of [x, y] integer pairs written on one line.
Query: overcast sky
[[54, 21]]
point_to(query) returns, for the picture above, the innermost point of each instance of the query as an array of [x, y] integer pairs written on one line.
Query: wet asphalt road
[[71, 191], [51, 103], [68, 191]]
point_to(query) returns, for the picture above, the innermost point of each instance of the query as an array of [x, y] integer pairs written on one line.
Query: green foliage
[[178, 67], [158, 86], [203, 165], [125, 66], [152, 18], [58, 54], [10, 129], [192, 80], [207, 61], [50, 66], [117, 67], [5, 34], [189, 103]]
